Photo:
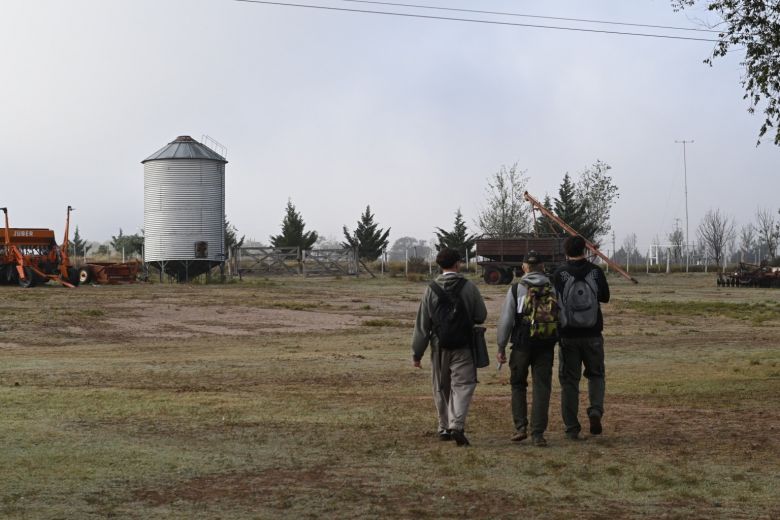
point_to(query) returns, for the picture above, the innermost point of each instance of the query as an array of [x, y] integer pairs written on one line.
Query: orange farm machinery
[[30, 256]]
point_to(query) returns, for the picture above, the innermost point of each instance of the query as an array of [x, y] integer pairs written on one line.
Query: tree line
[[584, 202], [718, 240]]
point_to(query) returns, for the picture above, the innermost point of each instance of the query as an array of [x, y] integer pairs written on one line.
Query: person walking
[[449, 309], [581, 286], [528, 317]]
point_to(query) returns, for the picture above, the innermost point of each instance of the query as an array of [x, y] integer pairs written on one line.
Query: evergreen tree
[[544, 225], [78, 246], [293, 234], [569, 208], [128, 244], [118, 241], [458, 238], [369, 240]]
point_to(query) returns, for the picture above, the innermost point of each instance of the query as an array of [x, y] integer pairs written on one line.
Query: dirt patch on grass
[[750, 431], [174, 321], [237, 487]]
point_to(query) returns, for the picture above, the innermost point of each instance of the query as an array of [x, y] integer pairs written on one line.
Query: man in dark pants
[[580, 285], [536, 354]]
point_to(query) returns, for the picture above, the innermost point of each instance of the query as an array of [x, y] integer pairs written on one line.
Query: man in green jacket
[[453, 371]]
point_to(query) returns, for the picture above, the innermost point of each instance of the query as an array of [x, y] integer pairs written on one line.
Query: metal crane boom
[[570, 230]]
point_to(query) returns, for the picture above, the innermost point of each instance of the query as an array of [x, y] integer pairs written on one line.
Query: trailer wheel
[[85, 275], [29, 279], [506, 276], [73, 276], [492, 276]]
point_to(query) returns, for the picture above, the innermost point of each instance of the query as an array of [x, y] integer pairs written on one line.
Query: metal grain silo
[[184, 208]]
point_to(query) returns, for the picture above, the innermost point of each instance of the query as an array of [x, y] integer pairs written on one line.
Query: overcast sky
[[338, 110]]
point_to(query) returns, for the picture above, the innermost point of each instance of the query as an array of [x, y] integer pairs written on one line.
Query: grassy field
[[296, 398]]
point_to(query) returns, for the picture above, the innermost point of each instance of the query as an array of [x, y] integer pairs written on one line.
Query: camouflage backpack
[[538, 320]]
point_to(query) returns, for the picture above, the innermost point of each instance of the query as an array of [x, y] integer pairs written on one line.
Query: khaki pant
[[454, 382]]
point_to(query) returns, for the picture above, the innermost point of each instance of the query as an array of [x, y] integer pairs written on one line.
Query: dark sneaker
[[575, 436], [460, 438], [445, 435], [595, 424], [539, 441], [520, 435]]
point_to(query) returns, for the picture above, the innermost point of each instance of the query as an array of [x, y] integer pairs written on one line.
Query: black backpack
[[579, 302], [451, 322]]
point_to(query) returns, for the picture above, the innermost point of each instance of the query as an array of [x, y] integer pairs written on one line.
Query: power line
[[540, 17], [471, 20]]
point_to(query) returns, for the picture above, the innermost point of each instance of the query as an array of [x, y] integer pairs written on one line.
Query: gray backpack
[[579, 302]]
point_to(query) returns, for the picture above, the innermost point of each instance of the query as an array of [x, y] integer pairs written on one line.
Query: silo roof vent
[[185, 147]]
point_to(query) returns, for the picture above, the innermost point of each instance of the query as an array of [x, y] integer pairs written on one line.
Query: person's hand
[[501, 358], [416, 363]]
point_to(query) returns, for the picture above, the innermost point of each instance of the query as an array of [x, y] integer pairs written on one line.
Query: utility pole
[[685, 172], [613, 244], [677, 237]]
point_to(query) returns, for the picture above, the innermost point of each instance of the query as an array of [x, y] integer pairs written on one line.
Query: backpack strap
[[514, 293], [458, 287], [452, 295], [437, 289]]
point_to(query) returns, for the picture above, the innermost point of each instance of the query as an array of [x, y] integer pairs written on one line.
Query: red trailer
[[503, 257], [109, 273]]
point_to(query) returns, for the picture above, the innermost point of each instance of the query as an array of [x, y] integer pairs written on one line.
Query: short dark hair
[[535, 268], [574, 246], [447, 258]]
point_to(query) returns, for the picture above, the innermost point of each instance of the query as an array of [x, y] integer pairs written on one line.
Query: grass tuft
[[383, 322]]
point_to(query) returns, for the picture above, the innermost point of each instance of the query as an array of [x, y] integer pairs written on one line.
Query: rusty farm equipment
[[109, 273], [31, 256], [505, 255], [750, 275]]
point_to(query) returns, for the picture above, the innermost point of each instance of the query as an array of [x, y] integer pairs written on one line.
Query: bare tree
[[629, 243], [597, 193], [767, 229], [716, 231], [629, 246], [747, 238], [506, 213], [677, 239]]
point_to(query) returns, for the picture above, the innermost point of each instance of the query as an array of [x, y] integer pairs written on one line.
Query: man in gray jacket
[[452, 366], [529, 350]]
